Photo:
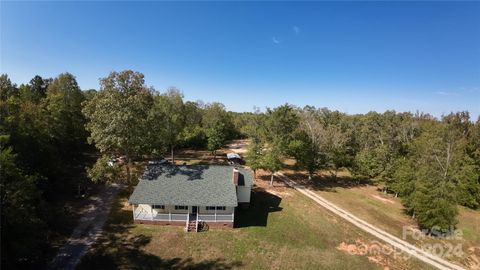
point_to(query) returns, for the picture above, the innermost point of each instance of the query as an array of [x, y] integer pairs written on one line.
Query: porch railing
[[141, 214], [216, 217]]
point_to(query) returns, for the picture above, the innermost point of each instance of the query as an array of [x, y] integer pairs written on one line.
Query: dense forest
[[55, 136]]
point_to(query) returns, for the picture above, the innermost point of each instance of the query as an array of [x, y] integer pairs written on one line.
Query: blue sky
[[350, 56]]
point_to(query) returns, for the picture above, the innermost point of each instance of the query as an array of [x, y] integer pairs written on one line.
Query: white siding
[[243, 194], [203, 210], [168, 208], [178, 211], [171, 209]]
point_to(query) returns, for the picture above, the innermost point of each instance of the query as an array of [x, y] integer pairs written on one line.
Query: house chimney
[[235, 176]]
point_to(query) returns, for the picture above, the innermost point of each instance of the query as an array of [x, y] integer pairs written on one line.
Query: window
[[158, 206], [181, 207], [210, 207], [221, 208]]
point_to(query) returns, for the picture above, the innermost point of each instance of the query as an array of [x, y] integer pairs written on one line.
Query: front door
[[194, 209]]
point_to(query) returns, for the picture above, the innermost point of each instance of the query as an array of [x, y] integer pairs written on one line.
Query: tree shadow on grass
[[261, 204], [328, 183], [118, 248]]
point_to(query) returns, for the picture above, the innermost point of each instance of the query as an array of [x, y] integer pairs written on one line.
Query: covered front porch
[[146, 212]]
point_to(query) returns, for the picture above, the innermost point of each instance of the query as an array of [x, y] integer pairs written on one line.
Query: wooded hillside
[[49, 128]]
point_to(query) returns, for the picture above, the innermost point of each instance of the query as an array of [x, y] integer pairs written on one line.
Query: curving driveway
[[382, 235], [87, 231]]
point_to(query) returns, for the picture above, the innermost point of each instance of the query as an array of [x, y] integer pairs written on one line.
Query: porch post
[[151, 212], [169, 213], [215, 214], [133, 210]]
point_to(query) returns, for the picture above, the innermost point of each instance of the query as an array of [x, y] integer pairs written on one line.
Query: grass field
[[281, 230], [386, 212]]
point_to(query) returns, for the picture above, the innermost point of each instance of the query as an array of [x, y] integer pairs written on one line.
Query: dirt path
[[386, 237], [87, 231]]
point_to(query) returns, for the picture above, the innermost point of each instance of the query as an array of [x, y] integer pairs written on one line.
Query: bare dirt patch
[[279, 188], [236, 146], [383, 199], [375, 251]]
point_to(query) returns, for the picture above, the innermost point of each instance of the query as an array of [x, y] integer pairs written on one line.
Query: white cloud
[[275, 40], [447, 94], [296, 29]]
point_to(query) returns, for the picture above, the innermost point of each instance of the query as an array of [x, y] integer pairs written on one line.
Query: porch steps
[[192, 223]]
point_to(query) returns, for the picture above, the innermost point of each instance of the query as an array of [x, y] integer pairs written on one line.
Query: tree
[[118, 116], [215, 138], [217, 124], [7, 88], [434, 204], [464, 171], [280, 125], [431, 174], [338, 151], [169, 115], [254, 155], [193, 135], [271, 162], [38, 87], [254, 128], [309, 147], [63, 103]]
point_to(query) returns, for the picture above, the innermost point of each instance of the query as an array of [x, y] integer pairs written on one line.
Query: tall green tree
[[254, 156], [337, 148], [63, 103], [435, 168], [193, 135], [464, 170], [215, 138], [254, 128], [38, 87], [271, 162], [7, 88], [280, 124], [169, 115], [217, 124], [118, 116], [308, 147]]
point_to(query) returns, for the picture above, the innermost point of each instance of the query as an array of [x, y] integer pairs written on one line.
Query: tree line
[[54, 136], [42, 138], [432, 164], [50, 130]]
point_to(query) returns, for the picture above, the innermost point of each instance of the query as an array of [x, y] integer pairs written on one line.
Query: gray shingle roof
[[200, 185]]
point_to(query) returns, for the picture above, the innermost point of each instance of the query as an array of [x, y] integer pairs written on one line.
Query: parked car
[[235, 159]]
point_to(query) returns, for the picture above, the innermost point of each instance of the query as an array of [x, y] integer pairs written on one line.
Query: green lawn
[[386, 212], [281, 230]]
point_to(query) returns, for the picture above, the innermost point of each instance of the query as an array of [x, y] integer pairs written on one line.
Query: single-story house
[[189, 194]]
